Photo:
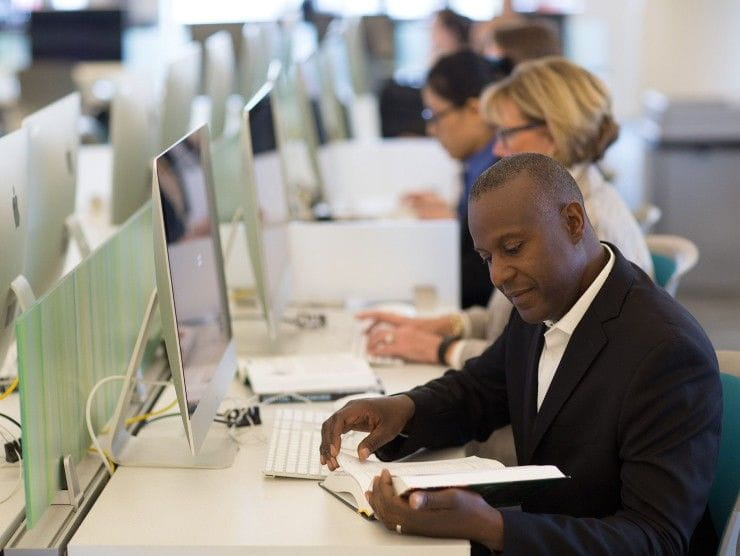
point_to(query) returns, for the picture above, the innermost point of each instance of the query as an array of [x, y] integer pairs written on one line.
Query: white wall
[[682, 47], [692, 47]]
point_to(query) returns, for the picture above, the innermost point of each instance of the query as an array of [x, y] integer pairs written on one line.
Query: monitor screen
[[262, 126], [195, 265], [76, 34]]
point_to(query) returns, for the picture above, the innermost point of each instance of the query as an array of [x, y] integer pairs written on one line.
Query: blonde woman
[[548, 106]]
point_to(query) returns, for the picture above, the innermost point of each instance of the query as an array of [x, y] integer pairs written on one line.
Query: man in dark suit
[[598, 371]]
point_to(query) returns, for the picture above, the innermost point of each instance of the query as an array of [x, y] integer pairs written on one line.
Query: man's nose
[[501, 273]]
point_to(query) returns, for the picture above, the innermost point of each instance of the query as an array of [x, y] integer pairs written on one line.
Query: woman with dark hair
[[452, 115]]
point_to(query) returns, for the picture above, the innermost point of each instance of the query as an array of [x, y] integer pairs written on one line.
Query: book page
[[444, 473], [364, 471]]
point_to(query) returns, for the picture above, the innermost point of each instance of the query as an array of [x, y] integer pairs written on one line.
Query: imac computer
[[53, 142], [298, 147], [219, 77], [14, 290], [333, 112], [266, 215], [196, 325], [182, 79], [133, 146]]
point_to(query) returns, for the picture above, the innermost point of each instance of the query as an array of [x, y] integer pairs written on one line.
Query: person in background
[[401, 102], [481, 32], [449, 33], [548, 106], [510, 45], [452, 114]]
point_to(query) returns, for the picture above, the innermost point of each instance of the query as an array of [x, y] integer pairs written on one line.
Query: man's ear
[[574, 219]]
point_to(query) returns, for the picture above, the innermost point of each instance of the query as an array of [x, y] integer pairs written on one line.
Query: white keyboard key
[[294, 445]]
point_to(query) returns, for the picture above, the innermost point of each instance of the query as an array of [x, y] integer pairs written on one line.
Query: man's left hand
[[449, 513]]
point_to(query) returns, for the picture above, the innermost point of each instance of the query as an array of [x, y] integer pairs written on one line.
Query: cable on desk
[[109, 466], [147, 416], [8, 437], [9, 418], [10, 389]]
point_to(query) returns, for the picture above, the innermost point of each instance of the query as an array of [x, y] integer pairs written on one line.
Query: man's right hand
[[384, 418]]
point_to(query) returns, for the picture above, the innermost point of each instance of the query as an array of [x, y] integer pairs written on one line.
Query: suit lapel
[[587, 341]]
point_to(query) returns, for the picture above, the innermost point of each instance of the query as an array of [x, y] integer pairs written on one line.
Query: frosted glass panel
[[81, 331]]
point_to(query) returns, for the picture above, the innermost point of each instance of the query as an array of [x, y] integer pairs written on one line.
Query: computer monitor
[[190, 282], [333, 112], [53, 142], [219, 77], [252, 72], [13, 230], [133, 145], [266, 216], [182, 79], [310, 78], [297, 144], [196, 325]]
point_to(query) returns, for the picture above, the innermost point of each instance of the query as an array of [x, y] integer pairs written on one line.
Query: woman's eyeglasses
[[503, 133], [431, 118]]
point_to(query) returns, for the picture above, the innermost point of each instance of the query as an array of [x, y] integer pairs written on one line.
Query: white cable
[[88, 419], [18, 482]]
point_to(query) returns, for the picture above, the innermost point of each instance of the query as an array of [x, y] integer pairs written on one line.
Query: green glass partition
[[80, 332]]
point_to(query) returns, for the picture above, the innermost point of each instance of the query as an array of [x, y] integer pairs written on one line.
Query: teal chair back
[[664, 268], [724, 491]]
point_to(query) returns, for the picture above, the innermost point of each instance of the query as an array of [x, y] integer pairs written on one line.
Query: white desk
[[237, 511], [12, 510]]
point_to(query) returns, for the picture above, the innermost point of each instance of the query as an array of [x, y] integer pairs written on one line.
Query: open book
[[499, 485]]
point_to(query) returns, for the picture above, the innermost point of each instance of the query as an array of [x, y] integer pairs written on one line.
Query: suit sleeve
[[668, 434], [458, 407]]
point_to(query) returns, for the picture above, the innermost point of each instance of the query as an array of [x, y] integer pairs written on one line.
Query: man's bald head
[[552, 186]]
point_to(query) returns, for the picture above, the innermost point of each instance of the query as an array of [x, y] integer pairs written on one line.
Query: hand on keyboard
[[294, 445]]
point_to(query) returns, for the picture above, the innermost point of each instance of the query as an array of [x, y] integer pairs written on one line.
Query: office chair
[[647, 216], [724, 502], [673, 256]]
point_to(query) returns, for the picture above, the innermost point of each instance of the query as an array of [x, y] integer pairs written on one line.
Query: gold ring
[[398, 529]]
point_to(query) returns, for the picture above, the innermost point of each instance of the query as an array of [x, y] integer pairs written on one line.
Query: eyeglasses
[[431, 118], [503, 133]]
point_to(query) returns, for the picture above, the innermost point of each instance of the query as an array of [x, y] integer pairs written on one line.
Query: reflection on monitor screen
[[202, 324]]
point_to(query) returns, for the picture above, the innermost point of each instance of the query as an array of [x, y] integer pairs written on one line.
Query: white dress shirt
[[558, 334]]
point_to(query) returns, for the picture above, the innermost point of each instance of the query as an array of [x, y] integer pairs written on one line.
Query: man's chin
[[530, 315]]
